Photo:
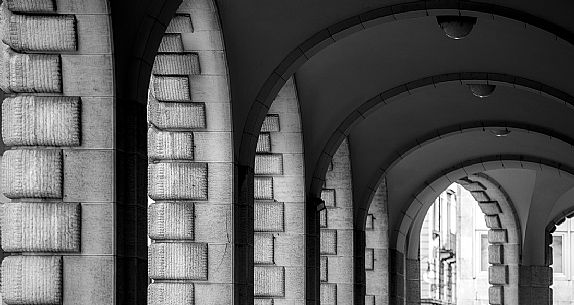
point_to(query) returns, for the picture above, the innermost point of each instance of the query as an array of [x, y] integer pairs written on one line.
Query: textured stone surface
[[180, 180], [171, 261], [269, 281], [37, 120], [271, 123], [328, 294], [171, 294], [165, 145], [31, 6], [269, 217], [32, 279], [32, 173], [41, 227], [497, 236], [269, 164], [263, 248], [41, 32], [329, 196], [498, 275], [176, 64], [30, 72], [264, 143], [328, 242], [171, 220], [176, 115], [263, 188], [180, 23]]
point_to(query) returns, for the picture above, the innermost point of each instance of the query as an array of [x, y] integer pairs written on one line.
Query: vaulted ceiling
[[426, 121]]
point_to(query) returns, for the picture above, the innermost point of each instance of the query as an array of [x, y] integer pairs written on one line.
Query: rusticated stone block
[[370, 222], [176, 115], [171, 220], [496, 295], [263, 248], [269, 281], [369, 300], [30, 72], [495, 254], [178, 261], [171, 293], [180, 23], [268, 164], [328, 294], [31, 6], [480, 196], [369, 259], [328, 242], [324, 270], [40, 32], [323, 218], [41, 120], [490, 207], [497, 236], [492, 221], [263, 188], [263, 302], [171, 43], [165, 145], [41, 227], [177, 180], [171, 88], [176, 64], [264, 143], [269, 217], [329, 196], [475, 187], [498, 275], [32, 173], [32, 280], [271, 123]]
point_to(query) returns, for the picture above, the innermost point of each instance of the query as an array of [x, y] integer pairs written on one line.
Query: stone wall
[[336, 222], [377, 249], [190, 171], [279, 217], [57, 119]]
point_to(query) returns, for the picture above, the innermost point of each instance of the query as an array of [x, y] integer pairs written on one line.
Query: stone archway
[[58, 117], [191, 219], [504, 239]]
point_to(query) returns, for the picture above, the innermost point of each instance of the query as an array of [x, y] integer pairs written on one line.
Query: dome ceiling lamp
[[456, 27], [500, 132], [481, 90]]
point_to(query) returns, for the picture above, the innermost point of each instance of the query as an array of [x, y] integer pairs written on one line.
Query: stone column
[[413, 282], [534, 286], [58, 120], [397, 278], [362, 260]]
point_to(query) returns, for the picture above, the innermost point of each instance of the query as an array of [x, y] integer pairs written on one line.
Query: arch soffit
[[455, 130], [396, 93], [320, 40]]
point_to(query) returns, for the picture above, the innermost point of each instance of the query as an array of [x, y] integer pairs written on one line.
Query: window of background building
[[557, 250]]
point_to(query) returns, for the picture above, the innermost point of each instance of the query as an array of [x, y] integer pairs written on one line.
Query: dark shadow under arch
[[330, 35], [396, 93]]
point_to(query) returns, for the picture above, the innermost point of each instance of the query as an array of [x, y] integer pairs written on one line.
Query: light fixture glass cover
[[456, 27], [481, 90], [500, 132]]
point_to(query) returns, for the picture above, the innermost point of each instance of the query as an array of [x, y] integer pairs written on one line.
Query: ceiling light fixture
[[456, 27], [500, 132], [481, 90]]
